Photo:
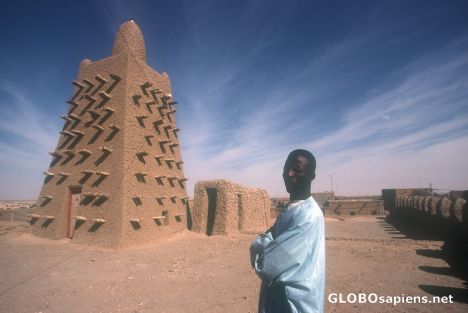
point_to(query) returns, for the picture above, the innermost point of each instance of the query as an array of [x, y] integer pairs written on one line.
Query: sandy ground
[[195, 273]]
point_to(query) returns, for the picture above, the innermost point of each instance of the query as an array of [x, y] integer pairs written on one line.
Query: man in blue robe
[[290, 256]]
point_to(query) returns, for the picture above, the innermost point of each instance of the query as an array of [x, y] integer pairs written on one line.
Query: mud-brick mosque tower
[[116, 177]]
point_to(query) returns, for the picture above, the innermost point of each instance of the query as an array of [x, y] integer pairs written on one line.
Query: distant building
[[322, 198], [354, 207]]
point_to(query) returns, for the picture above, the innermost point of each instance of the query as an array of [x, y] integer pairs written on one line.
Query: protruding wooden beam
[[136, 100], [103, 195], [88, 106], [148, 139], [79, 135], [73, 104], [100, 179], [141, 118], [99, 128], [89, 83], [55, 154], [141, 177], [98, 220], [77, 132], [105, 149], [84, 155], [67, 133], [106, 116], [156, 125], [144, 88], [137, 200], [89, 194], [169, 161], [99, 131], [47, 199], [48, 217], [86, 175], [115, 129], [104, 99], [70, 154], [102, 81], [80, 88], [141, 156], [94, 117], [74, 117], [105, 153], [66, 118], [116, 79], [84, 151], [80, 218], [149, 104], [154, 94]]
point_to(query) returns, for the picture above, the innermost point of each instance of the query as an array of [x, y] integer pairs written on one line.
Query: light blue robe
[[290, 260]]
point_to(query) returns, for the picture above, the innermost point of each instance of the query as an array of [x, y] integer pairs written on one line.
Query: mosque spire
[[129, 36]]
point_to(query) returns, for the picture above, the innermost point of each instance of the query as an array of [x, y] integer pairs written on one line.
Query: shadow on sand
[[453, 251]]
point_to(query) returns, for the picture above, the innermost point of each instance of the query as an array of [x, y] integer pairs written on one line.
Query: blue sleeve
[[258, 245], [294, 253]]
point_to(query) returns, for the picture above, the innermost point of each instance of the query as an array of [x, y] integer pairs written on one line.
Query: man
[[290, 257]]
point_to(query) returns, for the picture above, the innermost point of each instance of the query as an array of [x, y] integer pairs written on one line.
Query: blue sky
[[377, 90]]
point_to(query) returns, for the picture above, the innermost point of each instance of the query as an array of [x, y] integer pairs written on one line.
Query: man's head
[[298, 172]]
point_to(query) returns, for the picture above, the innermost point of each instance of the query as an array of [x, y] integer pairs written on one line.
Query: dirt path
[[195, 273]]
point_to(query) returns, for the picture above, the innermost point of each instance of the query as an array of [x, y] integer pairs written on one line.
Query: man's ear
[[312, 176]]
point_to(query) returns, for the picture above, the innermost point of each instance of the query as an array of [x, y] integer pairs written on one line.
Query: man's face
[[296, 174]]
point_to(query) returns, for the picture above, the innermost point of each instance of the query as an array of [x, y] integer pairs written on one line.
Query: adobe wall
[[446, 216], [154, 176], [87, 153], [119, 146], [238, 208]]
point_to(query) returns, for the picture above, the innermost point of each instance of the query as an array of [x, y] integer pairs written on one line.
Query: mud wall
[[445, 214], [221, 207], [116, 177]]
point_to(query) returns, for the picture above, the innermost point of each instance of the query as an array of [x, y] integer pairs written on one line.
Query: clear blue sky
[[377, 90]]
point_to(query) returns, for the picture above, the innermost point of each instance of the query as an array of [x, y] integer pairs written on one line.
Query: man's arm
[[259, 244], [280, 260]]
